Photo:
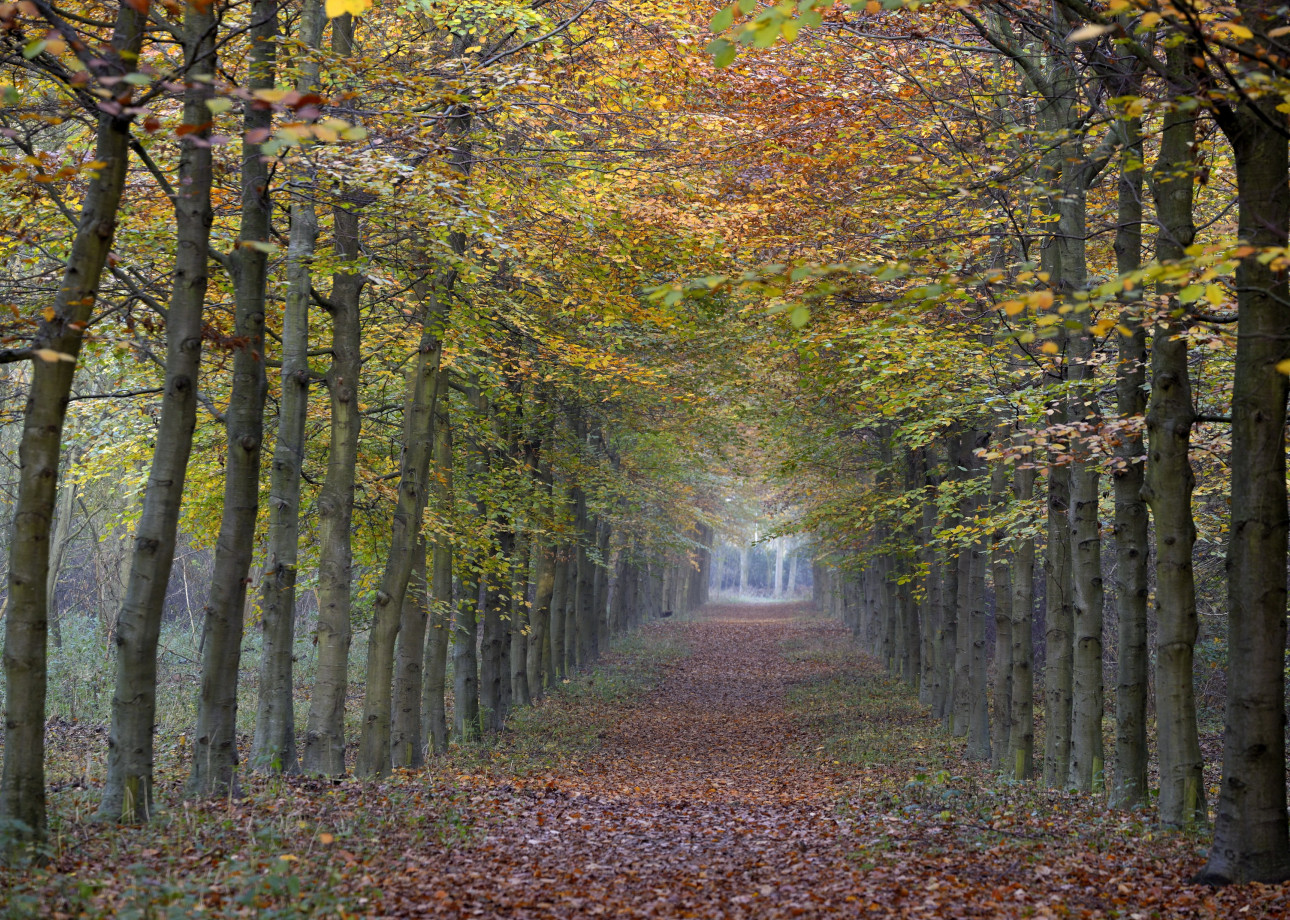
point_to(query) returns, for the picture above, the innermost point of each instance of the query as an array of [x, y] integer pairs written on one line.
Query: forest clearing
[[747, 763], [563, 457]]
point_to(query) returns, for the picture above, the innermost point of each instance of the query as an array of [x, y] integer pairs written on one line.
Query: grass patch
[[574, 716]]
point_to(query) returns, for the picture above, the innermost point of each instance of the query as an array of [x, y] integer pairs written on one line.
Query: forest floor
[[747, 763]]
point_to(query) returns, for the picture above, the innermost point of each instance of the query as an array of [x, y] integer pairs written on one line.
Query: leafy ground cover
[[746, 764]]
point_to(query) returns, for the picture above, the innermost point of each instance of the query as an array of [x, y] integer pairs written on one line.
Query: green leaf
[[724, 20], [722, 51], [1191, 293], [31, 49], [747, 6], [219, 104], [799, 317], [138, 79]]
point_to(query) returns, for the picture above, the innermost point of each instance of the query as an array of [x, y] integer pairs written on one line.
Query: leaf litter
[[749, 764]]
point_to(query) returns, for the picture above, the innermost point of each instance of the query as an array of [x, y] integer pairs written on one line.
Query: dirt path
[[713, 796], [695, 806]]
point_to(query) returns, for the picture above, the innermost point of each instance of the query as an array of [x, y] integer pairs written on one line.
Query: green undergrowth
[[575, 715], [898, 766]]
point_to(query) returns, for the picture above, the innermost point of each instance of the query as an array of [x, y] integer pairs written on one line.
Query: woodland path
[[713, 796]]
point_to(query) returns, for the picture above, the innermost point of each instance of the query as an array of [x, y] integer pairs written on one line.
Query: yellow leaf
[[1284, 366], [1041, 300], [49, 314], [1049, 348], [325, 838], [48, 354], [1013, 307], [341, 7], [1238, 31], [289, 857]]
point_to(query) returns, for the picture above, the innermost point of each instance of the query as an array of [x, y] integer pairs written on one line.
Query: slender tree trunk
[[127, 792], [1129, 788], [1250, 832], [559, 585], [214, 769], [520, 626], [571, 612], [930, 619], [1001, 571], [59, 541], [274, 746], [465, 660], [433, 706], [948, 638], [977, 708], [374, 738], [324, 743], [22, 784], [544, 578], [1168, 489], [407, 747], [1022, 734], [585, 603]]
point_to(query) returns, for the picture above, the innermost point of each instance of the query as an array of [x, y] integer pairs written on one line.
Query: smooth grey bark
[[433, 703], [604, 534], [929, 620], [128, 788], [947, 639], [1129, 783], [585, 601], [519, 622], [64, 511], [324, 742], [1251, 842], [492, 671], [1001, 549], [539, 649], [559, 584], [214, 767], [974, 644], [407, 749], [22, 781], [1022, 734], [273, 748], [1168, 486], [374, 757], [465, 659]]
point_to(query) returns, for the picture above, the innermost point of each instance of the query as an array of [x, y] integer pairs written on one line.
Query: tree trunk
[[1001, 572], [414, 471], [214, 769], [273, 749], [58, 543], [324, 743], [559, 594], [545, 577], [465, 661], [127, 792], [520, 627], [1250, 832], [1168, 491], [407, 748], [22, 784], [1129, 787], [433, 707], [1022, 734]]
